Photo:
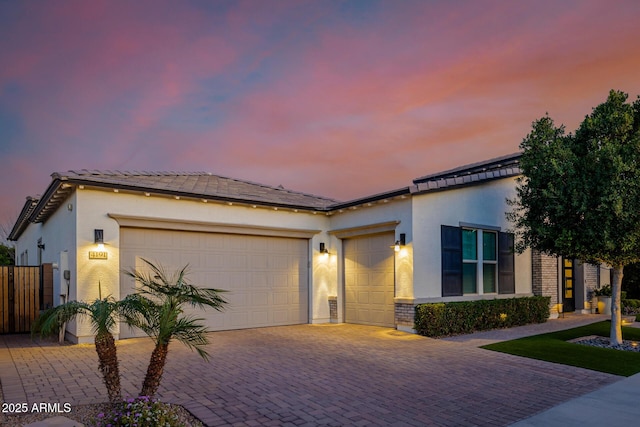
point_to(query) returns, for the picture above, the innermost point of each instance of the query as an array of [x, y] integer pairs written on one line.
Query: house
[[288, 257]]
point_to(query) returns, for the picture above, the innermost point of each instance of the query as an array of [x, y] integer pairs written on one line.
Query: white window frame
[[480, 261]]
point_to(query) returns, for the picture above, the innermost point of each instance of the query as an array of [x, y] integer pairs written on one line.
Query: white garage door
[[369, 280], [266, 277]]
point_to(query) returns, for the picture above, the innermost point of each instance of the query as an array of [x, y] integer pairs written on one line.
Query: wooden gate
[[24, 291]]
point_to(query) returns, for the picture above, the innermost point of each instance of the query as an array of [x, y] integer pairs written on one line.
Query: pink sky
[[337, 98]]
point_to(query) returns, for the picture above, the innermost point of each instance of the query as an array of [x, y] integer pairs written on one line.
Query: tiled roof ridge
[[500, 162], [109, 172], [497, 168]]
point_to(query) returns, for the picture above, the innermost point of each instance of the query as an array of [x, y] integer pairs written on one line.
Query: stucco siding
[[58, 236], [379, 213], [484, 205], [95, 206]]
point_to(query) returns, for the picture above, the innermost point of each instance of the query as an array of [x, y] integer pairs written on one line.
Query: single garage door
[[369, 280], [266, 277]]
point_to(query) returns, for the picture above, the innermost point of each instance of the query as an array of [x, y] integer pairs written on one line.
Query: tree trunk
[[616, 318], [106, 349], [155, 370]]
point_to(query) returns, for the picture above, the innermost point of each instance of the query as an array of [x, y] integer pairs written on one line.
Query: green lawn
[[553, 347]]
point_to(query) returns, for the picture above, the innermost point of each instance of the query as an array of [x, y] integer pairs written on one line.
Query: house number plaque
[[98, 255]]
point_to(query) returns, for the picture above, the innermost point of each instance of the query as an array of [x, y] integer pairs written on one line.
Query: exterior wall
[[546, 280], [483, 204], [58, 236], [378, 213], [590, 285], [68, 235], [586, 282], [405, 316], [95, 205]]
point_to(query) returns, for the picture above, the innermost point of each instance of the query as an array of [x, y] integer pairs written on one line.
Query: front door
[[568, 298]]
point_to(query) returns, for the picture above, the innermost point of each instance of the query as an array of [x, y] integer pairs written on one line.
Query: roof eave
[[405, 191], [472, 168], [435, 186], [60, 188], [23, 219]]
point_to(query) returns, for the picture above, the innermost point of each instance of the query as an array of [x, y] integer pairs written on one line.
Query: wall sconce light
[[323, 249], [41, 246], [400, 242], [98, 238]]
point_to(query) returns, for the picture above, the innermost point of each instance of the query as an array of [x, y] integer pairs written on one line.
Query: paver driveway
[[310, 375]]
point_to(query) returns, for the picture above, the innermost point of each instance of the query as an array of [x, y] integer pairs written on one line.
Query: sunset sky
[[337, 98]]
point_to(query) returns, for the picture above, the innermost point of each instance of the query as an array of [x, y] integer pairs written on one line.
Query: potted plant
[[604, 299]]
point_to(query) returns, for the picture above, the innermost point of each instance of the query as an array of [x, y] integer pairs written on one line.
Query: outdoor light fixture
[[400, 242], [98, 238], [41, 246], [323, 248]]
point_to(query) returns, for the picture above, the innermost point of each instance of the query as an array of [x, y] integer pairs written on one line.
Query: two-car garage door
[[266, 277]]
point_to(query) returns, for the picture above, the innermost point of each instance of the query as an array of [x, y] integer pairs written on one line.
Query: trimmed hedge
[[453, 318]]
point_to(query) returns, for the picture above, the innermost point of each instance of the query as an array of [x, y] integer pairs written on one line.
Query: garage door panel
[[363, 297], [369, 280], [258, 261], [280, 281], [259, 280], [259, 299], [378, 298], [280, 298], [238, 319], [266, 277], [260, 318], [362, 279]]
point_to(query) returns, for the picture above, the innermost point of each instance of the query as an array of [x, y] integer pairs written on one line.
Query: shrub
[[604, 291], [630, 306], [452, 318], [141, 412]]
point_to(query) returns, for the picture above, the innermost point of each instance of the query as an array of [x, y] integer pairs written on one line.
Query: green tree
[[7, 249], [103, 316], [157, 308], [579, 196], [7, 255], [631, 281]]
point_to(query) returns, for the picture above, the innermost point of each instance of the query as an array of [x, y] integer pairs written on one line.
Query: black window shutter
[[451, 238], [506, 264]]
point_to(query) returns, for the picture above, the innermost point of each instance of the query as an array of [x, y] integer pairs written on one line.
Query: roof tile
[[198, 184]]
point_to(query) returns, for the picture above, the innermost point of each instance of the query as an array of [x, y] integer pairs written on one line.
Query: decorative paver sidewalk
[[310, 375]]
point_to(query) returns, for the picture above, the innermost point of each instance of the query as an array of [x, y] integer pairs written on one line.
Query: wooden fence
[[24, 291]]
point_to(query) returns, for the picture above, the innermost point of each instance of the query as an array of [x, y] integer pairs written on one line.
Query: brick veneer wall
[[545, 277], [590, 283], [405, 314], [333, 308]]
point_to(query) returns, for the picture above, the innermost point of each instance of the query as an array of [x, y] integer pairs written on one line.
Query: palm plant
[[157, 308], [102, 313]]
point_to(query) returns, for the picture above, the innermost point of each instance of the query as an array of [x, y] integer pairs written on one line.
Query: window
[[476, 261], [469, 261], [489, 261], [479, 264]]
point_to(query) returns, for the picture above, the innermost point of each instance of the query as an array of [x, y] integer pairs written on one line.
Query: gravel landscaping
[[604, 342], [85, 414]]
